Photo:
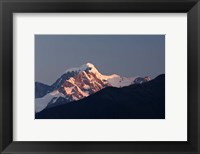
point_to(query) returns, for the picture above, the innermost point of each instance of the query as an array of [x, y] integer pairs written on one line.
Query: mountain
[[78, 83], [137, 101], [41, 89], [88, 68], [140, 80]]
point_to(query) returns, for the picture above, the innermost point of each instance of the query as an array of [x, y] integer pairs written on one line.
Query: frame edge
[[2, 129]]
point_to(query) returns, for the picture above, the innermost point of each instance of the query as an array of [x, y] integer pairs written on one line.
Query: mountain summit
[[87, 66], [78, 83]]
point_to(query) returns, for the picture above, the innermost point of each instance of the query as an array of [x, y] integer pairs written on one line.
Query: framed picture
[[99, 76]]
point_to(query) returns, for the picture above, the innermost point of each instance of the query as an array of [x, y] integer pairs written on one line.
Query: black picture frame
[[8, 7]]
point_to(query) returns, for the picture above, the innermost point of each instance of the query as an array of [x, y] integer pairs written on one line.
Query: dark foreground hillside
[[142, 101]]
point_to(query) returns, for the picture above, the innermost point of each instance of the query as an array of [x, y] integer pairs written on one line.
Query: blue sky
[[125, 55]]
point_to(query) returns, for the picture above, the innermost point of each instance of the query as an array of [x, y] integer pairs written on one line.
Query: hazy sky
[[125, 55]]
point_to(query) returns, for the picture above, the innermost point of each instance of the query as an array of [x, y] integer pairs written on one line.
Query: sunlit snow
[[41, 103]]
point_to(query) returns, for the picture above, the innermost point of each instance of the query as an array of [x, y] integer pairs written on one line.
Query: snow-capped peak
[[80, 82], [92, 68], [87, 66], [114, 79]]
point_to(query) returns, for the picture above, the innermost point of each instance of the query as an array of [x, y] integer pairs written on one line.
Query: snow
[[106, 77], [88, 78], [68, 90], [117, 81], [114, 79], [54, 99], [71, 80], [41, 103], [82, 92], [87, 92], [120, 81], [86, 87], [82, 68], [75, 98], [55, 93]]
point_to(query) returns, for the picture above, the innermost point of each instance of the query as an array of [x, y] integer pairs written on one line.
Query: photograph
[[99, 76]]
